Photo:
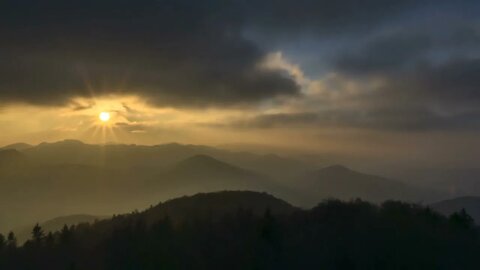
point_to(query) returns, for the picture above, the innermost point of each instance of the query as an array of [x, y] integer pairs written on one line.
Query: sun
[[104, 116]]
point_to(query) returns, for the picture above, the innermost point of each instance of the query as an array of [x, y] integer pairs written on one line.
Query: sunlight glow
[[104, 116]]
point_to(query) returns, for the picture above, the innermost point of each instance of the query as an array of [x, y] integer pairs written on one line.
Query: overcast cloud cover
[[375, 64]]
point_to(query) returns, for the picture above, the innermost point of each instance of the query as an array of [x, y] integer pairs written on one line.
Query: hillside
[[249, 230]]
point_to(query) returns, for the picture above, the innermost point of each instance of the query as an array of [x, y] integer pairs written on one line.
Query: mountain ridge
[[165, 155]]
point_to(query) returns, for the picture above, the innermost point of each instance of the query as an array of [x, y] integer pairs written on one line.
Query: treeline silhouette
[[332, 235]]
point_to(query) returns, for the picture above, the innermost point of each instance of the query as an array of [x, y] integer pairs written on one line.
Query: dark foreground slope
[[236, 230]]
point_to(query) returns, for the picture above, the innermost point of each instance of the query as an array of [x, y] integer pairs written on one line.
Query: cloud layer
[[401, 65], [171, 52]]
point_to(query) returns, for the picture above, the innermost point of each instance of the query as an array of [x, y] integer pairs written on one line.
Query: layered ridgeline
[[165, 155], [250, 230], [59, 179]]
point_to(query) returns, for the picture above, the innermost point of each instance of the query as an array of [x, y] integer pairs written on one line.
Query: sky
[[374, 80]]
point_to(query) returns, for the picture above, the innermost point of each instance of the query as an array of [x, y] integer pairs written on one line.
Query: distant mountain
[[17, 146], [34, 190], [159, 156], [470, 204], [56, 224], [202, 173], [343, 183], [56, 179]]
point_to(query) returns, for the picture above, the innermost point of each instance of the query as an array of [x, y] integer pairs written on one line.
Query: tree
[[462, 219], [37, 233], [11, 240], [65, 235], [50, 240], [3, 242]]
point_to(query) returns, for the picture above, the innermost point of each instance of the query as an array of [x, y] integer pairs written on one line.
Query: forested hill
[[248, 230]]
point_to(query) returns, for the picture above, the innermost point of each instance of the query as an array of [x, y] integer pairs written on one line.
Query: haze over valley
[[68, 177]]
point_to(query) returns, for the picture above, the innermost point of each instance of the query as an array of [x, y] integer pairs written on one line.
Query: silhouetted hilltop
[[199, 208], [470, 204], [217, 204]]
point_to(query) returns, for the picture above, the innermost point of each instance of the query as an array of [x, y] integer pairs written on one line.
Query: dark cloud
[[428, 76], [451, 84], [386, 54], [324, 17], [402, 48], [442, 96], [172, 52], [448, 87]]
